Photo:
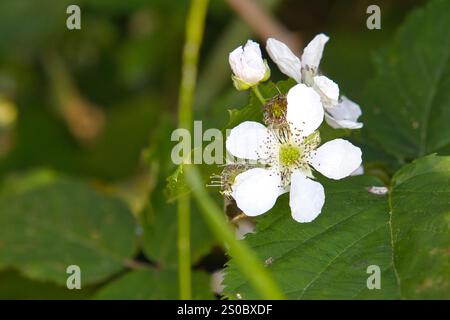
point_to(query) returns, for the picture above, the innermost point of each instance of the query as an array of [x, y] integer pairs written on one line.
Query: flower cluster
[[282, 155]]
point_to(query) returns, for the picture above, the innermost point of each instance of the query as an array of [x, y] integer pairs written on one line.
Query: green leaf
[[420, 227], [62, 223], [407, 105], [15, 286], [155, 285], [17, 183], [405, 233], [327, 258]]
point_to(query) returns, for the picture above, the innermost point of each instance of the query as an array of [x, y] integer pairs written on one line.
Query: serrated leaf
[[52, 226], [154, 284], [327, 258], [420, 204], [405, 233], [407, 105]]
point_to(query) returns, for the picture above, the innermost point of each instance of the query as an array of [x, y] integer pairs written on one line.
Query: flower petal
[[328, 91], [304, 109], [336, 159], [306, 199], [248, 140], [256, 191], [358, 172], [312, 54], [342, 124], [344, 115], [287, 62]]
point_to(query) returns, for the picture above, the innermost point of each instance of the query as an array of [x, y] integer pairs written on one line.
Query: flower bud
[[248, 66]]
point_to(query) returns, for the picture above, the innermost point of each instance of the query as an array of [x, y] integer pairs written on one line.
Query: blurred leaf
[[127, 132], [420, 206], [29, 25], [48, 228], [327, 258], [17, 183], [407, 105], [160, 231], [42, 141], [15, 286], [155, 285], [115, 155]]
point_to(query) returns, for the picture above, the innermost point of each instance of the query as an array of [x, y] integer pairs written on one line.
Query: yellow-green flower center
[[289, 155]]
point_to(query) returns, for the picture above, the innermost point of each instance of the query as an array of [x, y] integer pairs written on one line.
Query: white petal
[[336, 159], [256, 191], [287, 62], [217, 281], [358, 172], [328, 91], [247, 63], [235, 60], [306, 199], [344, 115], [304, 109], [248, 140], [313, 51], [342, 124]]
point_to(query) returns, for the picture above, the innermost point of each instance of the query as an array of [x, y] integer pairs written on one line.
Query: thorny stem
[[194, 35]]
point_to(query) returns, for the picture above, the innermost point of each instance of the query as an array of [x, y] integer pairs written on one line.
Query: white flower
[[344, 115], [248, 66], [286, 158], [306, 70]]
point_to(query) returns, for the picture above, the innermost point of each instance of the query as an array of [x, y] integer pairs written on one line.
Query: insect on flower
[[285, 156]]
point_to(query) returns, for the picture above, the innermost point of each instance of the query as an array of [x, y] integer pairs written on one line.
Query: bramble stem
[[194, 36]]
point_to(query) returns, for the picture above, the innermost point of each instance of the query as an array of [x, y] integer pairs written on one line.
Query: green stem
[[184, 248], [242, 255], [258, 94], [194, 36]]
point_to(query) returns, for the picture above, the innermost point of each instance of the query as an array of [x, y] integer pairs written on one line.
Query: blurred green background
[[94, 109]]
